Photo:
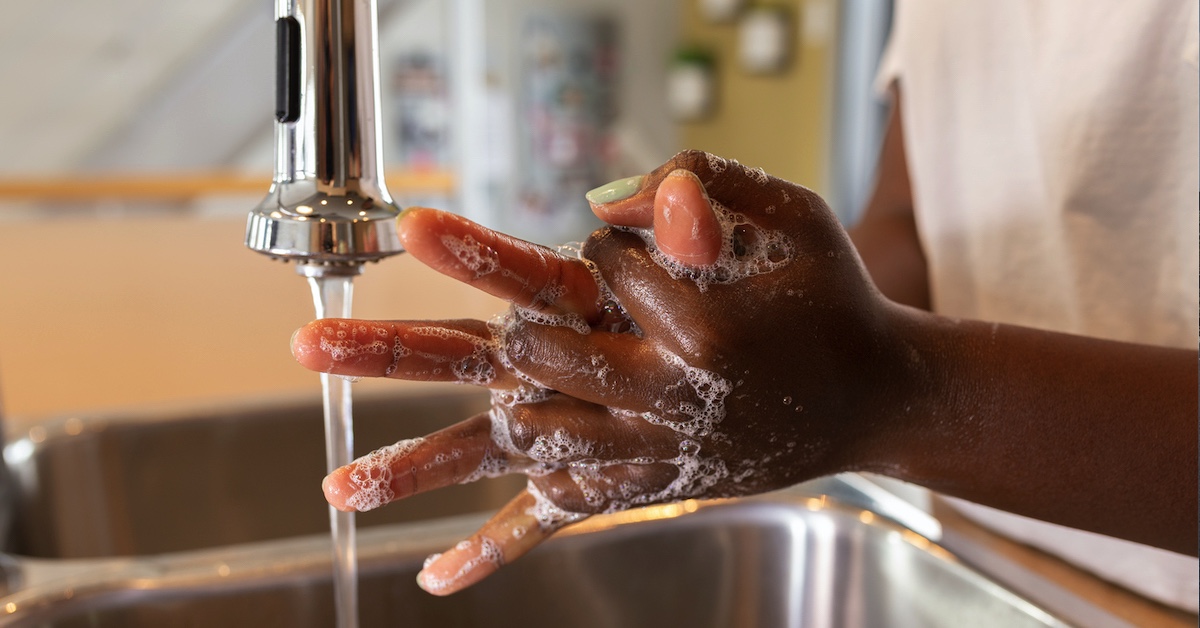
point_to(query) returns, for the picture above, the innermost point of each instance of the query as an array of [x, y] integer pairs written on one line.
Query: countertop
[[1114, 599], [104, 314]]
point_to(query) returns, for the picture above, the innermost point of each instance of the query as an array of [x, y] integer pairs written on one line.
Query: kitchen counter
[[1114, 599], [104, 314]]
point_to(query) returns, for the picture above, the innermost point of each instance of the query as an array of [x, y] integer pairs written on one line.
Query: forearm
[[1088, 433]]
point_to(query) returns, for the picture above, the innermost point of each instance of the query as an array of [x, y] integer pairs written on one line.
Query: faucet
[[328, 208]]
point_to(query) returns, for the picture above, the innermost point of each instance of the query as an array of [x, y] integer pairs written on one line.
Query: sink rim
[[58, 587], [36, 583]]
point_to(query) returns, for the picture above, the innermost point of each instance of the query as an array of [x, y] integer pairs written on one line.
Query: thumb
[[685, 226]]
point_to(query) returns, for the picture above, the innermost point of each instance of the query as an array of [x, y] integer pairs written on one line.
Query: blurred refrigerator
[[529, 103]]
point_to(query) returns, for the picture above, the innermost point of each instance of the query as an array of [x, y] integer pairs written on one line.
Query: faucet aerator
[[328, 208]]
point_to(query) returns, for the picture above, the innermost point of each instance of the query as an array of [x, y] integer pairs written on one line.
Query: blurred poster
[[422, 106], [566, 106], [420, 123]]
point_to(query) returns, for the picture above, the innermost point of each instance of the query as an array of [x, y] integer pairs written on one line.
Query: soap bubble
[[474, 256], [371, 478], [741, 256]]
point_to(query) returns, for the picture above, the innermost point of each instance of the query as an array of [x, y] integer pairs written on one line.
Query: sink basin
[[215, 518], [785, 560], [149, 482]]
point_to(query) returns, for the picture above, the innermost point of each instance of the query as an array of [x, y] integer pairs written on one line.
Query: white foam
[[570, 249], [548, 515], [344, 349], [599, 368], [767, 251], [489, 552], [587, 478], [399, 352], [696, 476], [475, 368], [505, 350], [372, 475], [566, 319], [559, 446], [474, 256], [496, 460], [710, 389]]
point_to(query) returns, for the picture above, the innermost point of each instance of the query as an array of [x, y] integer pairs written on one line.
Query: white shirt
[[1053, 154]]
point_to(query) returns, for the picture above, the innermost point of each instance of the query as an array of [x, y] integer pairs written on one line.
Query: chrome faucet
[[328, 208]]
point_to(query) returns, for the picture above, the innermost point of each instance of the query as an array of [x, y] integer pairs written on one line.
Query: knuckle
[[520, 345], [564, 493], [697, 161], [609, 249], [523, 427]]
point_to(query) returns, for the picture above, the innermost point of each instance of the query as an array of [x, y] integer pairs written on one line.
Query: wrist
[[909, 393]]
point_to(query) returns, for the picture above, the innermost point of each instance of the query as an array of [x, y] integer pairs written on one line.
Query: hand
[[722, 354]]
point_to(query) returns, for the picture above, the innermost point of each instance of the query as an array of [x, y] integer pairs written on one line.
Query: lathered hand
[[725, 340], [633, 377]]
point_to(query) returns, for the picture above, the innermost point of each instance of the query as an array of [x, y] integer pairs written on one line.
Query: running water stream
[[332, 296]]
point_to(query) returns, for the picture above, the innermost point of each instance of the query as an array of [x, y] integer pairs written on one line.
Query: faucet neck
[[332, 72], [328, 204]]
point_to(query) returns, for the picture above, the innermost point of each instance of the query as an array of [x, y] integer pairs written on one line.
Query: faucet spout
[[328, 208]]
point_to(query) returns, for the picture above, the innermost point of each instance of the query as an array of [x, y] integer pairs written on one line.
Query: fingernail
[[292, 341], [404, 212], [683, 172], [618, 190]]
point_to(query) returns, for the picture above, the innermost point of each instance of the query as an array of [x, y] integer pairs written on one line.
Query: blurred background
[[136, 135]]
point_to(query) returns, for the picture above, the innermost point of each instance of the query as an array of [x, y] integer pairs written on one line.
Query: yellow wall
[[99, 313], [778, 122]]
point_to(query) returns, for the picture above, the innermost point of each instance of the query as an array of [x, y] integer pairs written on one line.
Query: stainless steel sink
[[148, 482], [215, 518], [783, 561]]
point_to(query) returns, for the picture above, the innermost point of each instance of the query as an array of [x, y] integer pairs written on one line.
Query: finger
[[767, 202], [523, 273], [601, 367], [655, 396], [595, 488], [628, 202], [520, 526], [740, 187], [459, 453], [460, 351], [651, 294], [562, 430], [685, 227], [534, 515], [727, 182]]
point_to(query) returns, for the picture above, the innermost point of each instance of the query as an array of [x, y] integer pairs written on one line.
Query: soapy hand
[[648, 369]]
